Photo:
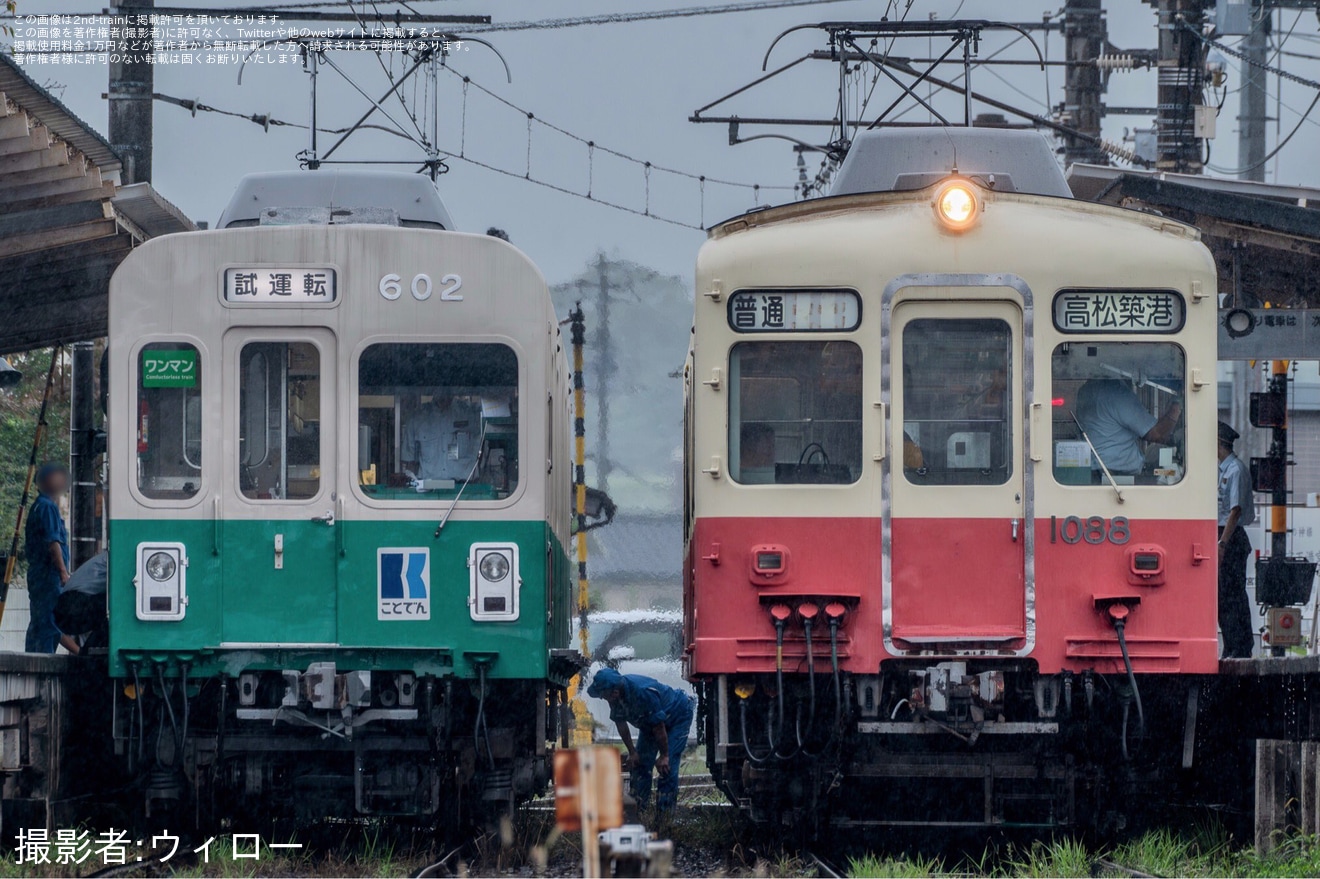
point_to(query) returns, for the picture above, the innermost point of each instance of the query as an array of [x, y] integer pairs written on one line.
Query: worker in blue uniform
[[1237, 509], [663, 717], [47, 546]]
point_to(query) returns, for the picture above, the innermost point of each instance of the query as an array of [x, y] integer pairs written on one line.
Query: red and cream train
[[916, 591]]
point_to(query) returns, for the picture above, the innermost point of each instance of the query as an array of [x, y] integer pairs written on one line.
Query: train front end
[[919, 589], [339, 509]]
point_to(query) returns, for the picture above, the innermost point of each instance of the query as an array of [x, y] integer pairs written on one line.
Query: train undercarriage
[[288, 747], [966, 743]]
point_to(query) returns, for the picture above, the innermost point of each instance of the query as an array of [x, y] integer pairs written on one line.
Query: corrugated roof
[[59, 119]]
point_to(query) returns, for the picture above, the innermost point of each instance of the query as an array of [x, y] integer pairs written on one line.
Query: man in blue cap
[[663, 717], [47, 545]]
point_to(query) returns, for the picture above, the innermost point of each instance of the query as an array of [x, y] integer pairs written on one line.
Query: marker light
[[957, 206]]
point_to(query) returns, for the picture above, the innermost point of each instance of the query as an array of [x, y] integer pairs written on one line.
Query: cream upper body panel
[[866, 242], [172, 289]]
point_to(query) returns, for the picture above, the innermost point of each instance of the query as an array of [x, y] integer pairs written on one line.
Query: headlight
[[956, 205], [161, 566], [494, 566]]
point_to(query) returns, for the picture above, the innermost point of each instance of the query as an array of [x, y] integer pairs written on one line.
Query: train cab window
[[437, 420], [957, 401], [169, 421], [279, 430], [795, 413], [1117, 406]]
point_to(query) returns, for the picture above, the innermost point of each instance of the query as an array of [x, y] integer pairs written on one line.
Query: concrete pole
[[1252, 112], [1084, 40], [83, 535], [1181, 75], [132, 82]]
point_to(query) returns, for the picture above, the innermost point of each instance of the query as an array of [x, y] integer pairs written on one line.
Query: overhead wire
[[267, 122], [1277, 147]]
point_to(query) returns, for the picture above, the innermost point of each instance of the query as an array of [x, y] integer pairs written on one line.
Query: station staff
[[1236, 510], [440, 440], [663, 717], [1116, 422], [46, 541]]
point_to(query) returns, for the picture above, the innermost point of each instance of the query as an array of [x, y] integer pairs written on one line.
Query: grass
[[1203, 852]]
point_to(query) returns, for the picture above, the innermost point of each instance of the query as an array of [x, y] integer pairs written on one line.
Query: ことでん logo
[[403, 583]]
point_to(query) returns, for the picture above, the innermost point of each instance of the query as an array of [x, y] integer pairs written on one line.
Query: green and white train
[[339, 509]]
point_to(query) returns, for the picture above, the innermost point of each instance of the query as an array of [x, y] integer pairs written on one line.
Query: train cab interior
[[169, 421], [437, 420], [957, 401], [1107, 398], [795, 412]]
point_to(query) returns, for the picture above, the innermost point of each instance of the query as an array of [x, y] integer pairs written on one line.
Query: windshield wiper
[[1118, 491], [481, 448]]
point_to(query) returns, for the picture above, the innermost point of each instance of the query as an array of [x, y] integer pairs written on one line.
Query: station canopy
[[66, 221], [1265, 238]]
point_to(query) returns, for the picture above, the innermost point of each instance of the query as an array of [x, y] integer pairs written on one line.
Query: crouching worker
[[663, 717]]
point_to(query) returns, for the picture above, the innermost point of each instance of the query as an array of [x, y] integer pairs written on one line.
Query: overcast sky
[[628, 87]]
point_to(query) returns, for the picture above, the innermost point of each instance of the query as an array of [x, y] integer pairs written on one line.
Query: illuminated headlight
[[494, 566], [161, 566], [957, 205]]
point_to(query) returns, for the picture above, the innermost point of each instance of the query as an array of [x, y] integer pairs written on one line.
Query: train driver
[[1116, 422], [1236, 510], [441, 439], [663, 717]]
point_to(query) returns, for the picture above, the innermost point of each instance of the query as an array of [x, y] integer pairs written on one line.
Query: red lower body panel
[[957, 584]]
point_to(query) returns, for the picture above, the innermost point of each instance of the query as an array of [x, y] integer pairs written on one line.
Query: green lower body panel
[[361, 594]]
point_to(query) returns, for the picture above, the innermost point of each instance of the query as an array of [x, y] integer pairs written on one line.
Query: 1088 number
[[1095, 530]]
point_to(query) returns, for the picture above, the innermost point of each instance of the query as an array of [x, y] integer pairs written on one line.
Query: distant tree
[[19, 406]]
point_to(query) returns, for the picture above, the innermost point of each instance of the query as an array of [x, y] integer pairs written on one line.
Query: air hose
[[480, 732], [742, 724], [811, 685], [1120, 624]]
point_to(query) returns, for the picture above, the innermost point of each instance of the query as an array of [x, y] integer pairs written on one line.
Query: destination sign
[[778, 311], [1119, 311], [280, 286]]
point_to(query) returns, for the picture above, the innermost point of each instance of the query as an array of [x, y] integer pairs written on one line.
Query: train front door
[[957, 526], [280, 511]]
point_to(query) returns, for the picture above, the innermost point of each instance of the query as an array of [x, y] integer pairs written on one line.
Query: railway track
[[1102, 867], [824, 868]]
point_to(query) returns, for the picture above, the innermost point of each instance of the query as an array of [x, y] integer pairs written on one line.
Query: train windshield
[[957, 396], [436, 420], [169, 421], [1117, 407], [795, 413], [279, 438]]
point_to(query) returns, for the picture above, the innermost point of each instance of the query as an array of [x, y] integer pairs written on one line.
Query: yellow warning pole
[[579, 334], [1279, 509], [582, 734]]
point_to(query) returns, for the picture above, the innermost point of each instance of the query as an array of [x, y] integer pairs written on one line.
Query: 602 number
[[1095, 530]]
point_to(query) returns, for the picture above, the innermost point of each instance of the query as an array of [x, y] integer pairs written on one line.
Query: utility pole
[[1181, 76], [1085, 36], [1252, 114], [132, 81]]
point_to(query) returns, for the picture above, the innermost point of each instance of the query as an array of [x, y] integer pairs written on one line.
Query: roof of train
[[411, 197], [901, 160]]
